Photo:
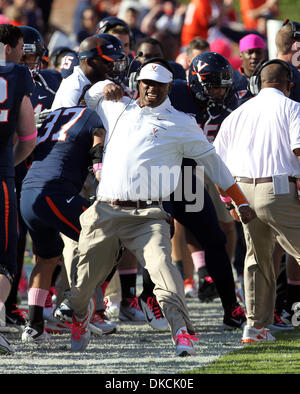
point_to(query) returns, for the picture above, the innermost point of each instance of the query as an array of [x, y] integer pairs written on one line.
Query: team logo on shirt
[[242, 93], [155, 130]]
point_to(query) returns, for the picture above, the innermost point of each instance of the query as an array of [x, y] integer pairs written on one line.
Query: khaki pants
[[278, 218], [146, 233]]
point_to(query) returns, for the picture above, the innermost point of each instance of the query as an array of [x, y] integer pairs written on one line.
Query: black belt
[[259, 180], [133, 204]]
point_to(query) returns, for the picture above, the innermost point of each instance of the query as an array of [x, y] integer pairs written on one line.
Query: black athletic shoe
[[64, 312], [35, 334], [15, 318], [234, 317], [207, 291]]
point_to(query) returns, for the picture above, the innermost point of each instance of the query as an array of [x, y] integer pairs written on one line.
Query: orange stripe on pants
[[59, 215], [6, 210]]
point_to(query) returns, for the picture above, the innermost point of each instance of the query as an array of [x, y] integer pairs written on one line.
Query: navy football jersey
[[46, 85], [240, 82], [15, 83], [182, 99], [46, 82], [61, 157]]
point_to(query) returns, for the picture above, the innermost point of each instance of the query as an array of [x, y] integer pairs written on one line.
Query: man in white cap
[[142, 136]]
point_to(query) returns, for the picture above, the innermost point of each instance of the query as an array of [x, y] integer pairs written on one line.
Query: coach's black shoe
[[234, 317], [207, 291], [15, 318], [64, 312]]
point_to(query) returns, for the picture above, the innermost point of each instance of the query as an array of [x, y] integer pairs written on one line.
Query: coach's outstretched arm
[[221, 176]]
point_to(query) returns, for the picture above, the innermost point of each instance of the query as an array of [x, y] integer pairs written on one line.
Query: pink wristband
[[28, 137], [225, 199], [97, 167]]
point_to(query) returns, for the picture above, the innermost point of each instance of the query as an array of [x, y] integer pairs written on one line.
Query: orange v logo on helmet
[[154, 66]]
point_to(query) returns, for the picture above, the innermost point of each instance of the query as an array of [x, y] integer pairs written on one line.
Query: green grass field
[[279, 357]]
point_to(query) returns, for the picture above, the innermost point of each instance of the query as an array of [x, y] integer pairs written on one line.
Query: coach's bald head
[[276, 76]]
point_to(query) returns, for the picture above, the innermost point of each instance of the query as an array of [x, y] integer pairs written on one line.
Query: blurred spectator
[[256, 12], [4, 20], [150, 47], [196, 46], [163, 16], [3, 5], [288, 49], [33, 13], [16, 16], [169, 42], [204, 18], [223, 47], [45, 6], [81, 6], [89, 21], [131, 17], [108, 7]]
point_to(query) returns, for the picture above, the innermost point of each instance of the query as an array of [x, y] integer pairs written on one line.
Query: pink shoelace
[[97, 318], [238, 312], [155, 308], [78, 329], [134, 303], [185, 339]]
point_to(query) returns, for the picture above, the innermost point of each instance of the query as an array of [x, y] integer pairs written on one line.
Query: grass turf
[[279, 357]]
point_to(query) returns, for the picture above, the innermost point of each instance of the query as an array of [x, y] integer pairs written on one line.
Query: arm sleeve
[[197, 147], [95, 93]]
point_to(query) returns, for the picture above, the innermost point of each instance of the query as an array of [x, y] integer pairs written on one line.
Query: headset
[[254, 84], [295, 28]]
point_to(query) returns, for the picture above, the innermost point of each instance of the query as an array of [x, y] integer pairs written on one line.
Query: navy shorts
[[8, 227], [48, 213]]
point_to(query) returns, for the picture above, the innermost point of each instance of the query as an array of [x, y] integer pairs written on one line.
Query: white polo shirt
[[70, 89], [257, 139], [140, 142]]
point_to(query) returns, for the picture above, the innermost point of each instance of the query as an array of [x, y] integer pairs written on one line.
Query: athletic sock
[[128, 283], [148, 285], [293, 295], [178, 264]]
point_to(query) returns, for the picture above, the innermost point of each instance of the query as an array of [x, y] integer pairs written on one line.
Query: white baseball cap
[[155, 72]]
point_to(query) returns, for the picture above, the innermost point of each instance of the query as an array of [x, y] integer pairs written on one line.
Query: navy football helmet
[[114, 49], [210, 70], [33, 45], [109, 22]]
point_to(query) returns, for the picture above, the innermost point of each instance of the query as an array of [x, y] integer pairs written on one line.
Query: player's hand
[[246, 214], [234, 215], [113, 92]]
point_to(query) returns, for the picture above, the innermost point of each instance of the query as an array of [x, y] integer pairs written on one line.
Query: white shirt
[[70, 89], [257, 139], [141, 141]]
